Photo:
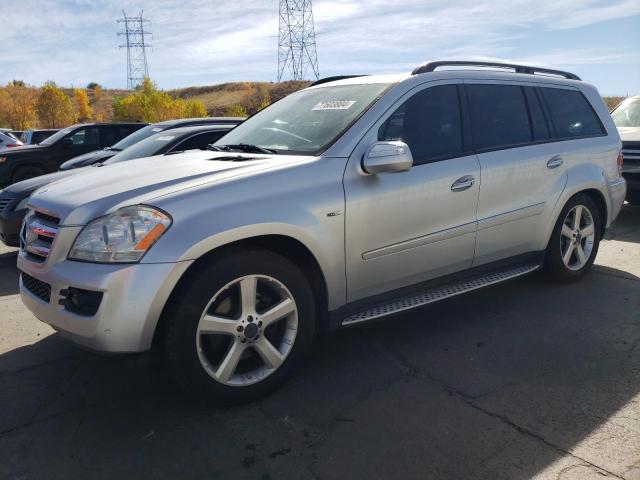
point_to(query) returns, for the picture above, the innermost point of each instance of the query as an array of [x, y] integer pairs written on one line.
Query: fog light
[[81, 302]]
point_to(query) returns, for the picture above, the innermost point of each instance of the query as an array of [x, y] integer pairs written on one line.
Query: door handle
[[463, 183], [555, 162]]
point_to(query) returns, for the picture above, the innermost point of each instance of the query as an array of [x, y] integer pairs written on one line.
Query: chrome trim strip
[[42, 229], [511, 216], [421, 241]]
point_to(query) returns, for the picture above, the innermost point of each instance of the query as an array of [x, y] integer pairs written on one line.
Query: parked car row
[[156, 139], [352, 200]]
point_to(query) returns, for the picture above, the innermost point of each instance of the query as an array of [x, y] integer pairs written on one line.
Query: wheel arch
[[287, 246]]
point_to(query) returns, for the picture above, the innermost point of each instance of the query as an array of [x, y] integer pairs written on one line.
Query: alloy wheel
[[577, 237], [247, 330]]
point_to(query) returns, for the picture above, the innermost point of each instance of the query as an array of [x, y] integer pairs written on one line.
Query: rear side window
[[571, 114], [429, 122], [499, 116]]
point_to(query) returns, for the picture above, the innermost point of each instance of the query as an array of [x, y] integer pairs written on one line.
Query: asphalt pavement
[[523, 380]]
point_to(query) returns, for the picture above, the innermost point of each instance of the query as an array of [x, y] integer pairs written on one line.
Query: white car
[[626, 116], [8, 141]]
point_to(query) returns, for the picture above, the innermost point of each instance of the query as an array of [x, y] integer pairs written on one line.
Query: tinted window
[[86, 137], [498, 115], [538, 119], [199, 141], [429, 122], [135, 137], [154, 145], [571, 114]]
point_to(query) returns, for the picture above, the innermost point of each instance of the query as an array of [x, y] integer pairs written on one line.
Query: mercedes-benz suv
[[349, 201]]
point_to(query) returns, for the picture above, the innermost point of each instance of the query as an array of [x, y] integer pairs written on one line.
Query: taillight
[[620, 163]]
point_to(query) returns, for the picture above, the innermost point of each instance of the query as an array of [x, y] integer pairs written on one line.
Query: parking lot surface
[[526, 379]]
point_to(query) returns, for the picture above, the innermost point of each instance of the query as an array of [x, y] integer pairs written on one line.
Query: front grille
[[38, 234], [631, 151], [40, 289]]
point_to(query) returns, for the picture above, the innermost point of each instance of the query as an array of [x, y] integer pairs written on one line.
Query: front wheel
[[240, 326], [575, 239]]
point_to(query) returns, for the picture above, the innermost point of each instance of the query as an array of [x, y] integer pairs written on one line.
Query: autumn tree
[[17, 106], [148, 104], [82, 104], [101, 105], [195, 109], [55, 109], [236, 111]]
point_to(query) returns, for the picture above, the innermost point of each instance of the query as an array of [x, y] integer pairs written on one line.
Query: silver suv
[[352, 200]]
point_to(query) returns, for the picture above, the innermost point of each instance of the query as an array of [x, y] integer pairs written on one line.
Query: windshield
[[627, 114], [135, 137], [145, 148], [57, 136], [305, 122]]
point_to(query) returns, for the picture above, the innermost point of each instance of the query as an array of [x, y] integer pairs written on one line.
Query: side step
[[437, 294]]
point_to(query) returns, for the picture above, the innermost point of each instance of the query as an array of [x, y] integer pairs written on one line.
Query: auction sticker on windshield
[[334, 105]]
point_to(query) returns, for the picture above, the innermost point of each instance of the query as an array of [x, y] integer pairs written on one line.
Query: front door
[[405, 228]]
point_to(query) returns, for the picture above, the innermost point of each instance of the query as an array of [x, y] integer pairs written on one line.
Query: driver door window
[[429, 122], [85, 138]]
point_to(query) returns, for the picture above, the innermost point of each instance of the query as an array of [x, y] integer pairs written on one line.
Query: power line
[[134, 34], [297, 40]]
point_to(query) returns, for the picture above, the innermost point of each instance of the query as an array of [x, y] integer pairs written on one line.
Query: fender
[[584, 176]]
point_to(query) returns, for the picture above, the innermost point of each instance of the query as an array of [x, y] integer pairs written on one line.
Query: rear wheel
[[26, 172], [240, 326], [575, 239]]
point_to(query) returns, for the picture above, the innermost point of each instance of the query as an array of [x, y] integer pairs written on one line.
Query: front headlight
[[121, 237]]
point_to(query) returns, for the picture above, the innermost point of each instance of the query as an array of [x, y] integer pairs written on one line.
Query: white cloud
[[210, 41]]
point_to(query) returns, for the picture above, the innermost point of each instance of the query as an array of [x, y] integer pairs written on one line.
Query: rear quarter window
[[571, 114]]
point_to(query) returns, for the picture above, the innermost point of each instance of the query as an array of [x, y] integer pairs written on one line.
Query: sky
[[205, 42]]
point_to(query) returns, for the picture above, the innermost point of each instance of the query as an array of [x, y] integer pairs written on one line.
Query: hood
[[99, 190], [27, 187], [629, 134], [88, 159], [22, 150]]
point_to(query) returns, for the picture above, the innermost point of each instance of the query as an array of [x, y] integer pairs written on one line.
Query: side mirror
[[393, 157]]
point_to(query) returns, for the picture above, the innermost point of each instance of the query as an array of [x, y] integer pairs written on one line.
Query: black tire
[[26, 172], [193, 297], [555, 267]]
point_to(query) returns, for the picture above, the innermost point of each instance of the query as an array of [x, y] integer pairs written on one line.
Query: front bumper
[[132, 301]]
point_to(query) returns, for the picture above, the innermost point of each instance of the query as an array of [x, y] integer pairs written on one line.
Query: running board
[[437, 294]]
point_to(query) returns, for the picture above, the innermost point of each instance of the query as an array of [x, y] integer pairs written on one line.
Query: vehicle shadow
[[9, 277], [497, 384], [626, 228]]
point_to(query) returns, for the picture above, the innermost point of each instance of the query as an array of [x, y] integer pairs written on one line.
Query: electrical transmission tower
[[297, 40], [134, 34]]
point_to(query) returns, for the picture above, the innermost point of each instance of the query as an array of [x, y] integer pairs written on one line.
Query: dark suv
[[34, 160]]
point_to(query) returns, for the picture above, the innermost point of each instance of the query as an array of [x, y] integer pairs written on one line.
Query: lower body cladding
[[107, 308]]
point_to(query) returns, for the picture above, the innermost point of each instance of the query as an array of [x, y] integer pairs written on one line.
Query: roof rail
[[431, 66], [333, 79]]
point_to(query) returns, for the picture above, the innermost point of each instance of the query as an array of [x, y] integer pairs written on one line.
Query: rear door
[[523, 172]]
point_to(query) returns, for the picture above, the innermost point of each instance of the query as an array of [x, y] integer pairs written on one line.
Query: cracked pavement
[[524, 380]]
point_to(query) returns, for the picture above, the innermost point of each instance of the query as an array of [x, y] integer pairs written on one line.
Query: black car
[[13, 200], [21, 163], [101, 155]]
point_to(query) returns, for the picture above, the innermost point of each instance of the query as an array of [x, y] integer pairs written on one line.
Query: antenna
[[134, 33], [297, 40]]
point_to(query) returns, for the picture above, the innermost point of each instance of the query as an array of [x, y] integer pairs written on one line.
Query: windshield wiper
[[243, 147]]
